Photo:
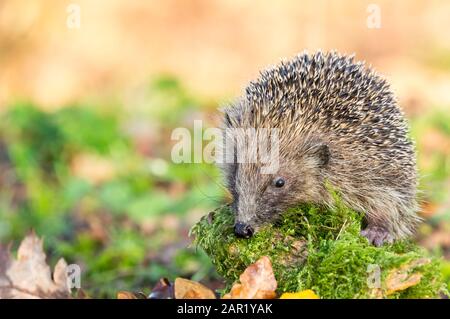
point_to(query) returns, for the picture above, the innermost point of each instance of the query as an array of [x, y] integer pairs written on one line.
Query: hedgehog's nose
[[243, 230]]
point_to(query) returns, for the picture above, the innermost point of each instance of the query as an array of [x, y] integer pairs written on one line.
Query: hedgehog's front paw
[[377, 235]]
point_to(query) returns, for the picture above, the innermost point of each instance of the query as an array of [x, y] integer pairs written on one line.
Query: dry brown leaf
[[401, 282], [256, 282], [126, 295], [402, 278], [188, 289], [29, 276], [130, 295]]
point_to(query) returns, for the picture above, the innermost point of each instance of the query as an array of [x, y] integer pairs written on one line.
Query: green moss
[[316, 248]]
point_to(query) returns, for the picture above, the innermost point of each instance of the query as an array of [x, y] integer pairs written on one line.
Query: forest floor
[[97, 183]]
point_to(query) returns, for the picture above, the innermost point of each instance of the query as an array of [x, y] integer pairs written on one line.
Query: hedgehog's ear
[[322, 153]]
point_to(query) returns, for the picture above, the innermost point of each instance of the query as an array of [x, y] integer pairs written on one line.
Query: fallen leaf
[[402, 282], [402, 278], [126, 295], [256, 282], [305, 294], [130, 295], [188, 289], [29, 276]]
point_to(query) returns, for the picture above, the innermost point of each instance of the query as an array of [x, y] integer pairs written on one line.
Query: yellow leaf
[[305, 294]]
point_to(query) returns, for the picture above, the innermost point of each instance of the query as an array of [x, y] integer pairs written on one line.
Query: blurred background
[[90, 92]]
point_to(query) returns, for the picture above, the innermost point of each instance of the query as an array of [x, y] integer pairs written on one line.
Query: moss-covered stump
[[321, 249]]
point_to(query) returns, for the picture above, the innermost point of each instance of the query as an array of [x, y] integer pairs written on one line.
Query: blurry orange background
[[214, 47], [101, 187]]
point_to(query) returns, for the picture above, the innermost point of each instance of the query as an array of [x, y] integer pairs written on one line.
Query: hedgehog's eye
[[279, 182]]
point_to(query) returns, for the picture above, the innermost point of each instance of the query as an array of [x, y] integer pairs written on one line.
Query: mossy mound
[[321, 249]]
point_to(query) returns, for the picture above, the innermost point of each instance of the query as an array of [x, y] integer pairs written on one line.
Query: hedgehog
[[338, 126]]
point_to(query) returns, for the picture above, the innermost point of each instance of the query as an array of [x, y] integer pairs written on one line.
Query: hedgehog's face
[[259, 199]]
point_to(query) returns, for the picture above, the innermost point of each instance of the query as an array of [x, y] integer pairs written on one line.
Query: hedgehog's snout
[[243, 230]]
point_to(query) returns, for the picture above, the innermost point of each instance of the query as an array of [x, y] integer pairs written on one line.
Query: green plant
[[316, 248]]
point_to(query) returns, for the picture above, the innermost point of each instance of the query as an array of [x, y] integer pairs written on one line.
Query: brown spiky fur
[[338, 122]]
